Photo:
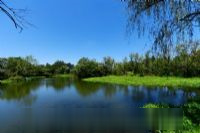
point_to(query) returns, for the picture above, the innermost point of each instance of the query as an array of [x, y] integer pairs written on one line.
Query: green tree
[[135, 60], [3, 64], [30, 59], [17, 66], [187, 59], [147, 63], [87, 68], [108, 65], [60, 67]]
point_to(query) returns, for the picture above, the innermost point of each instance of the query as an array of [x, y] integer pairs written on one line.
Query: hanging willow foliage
[[169, 22]]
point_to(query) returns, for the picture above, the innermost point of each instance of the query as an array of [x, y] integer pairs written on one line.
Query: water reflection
[[18, 91], [83, 93], [86, 89], [50, 105], [58, 83]]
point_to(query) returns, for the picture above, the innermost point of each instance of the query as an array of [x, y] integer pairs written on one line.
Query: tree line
[[29, 67], [184, 63]]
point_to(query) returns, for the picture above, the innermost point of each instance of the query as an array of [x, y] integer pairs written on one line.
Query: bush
[[191, 110]]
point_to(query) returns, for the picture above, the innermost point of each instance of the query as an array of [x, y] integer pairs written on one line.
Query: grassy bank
[[148, 81], [62, 76], [19, 78], [7, 81]]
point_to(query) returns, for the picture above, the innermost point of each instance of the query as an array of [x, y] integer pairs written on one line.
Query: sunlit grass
[[62, 76], [148, 81], [19, 78], [7, 81]]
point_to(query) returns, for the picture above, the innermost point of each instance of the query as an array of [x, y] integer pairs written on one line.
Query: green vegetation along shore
[[148, 81], [6, 81], [19, 78], [63, 76], [190, 117]]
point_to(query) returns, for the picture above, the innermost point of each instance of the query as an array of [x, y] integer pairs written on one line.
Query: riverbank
[[19, 78], [148, 81], [6, 81], [63, 76]]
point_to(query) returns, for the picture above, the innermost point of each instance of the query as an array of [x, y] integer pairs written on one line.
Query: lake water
[[67, 105]]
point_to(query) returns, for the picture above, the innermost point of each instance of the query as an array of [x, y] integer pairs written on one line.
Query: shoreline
[[148, 81], [19, 79]]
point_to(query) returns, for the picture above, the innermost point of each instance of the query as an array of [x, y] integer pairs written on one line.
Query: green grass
[[19, 78], [148, 81], [151, 106], [11, 80], [63, 76], [7, 81]]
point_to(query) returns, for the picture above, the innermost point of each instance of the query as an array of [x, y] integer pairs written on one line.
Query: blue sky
[[70, 29]]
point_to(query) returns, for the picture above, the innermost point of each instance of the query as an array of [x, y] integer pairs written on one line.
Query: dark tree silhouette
[[15, 15], [167, 21]]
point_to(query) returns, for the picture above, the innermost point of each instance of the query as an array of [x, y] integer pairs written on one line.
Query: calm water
[[54, 105]]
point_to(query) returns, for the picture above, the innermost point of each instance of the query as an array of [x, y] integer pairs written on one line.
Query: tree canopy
[[27, 67]]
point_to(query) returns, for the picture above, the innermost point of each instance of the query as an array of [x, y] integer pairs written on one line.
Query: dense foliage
[[191, 121], [28, 66], [184, 63], [87, 68]]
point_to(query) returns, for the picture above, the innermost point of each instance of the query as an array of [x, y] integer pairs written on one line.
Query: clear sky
[[70, 29]]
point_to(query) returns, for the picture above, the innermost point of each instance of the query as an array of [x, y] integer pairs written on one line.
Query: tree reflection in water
[[28, 91]]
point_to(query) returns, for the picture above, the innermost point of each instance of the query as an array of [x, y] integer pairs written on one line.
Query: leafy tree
[[18, 67], [30, 59], [147, 63], [119, 69], [87, 68], [3, 64], [186, 60], [108, 65], [60, 67], [15, 66], [125, 66], [135, 60]]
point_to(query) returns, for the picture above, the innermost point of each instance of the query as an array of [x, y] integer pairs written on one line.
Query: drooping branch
[[15, 15], [166, 21], [191, 16]]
